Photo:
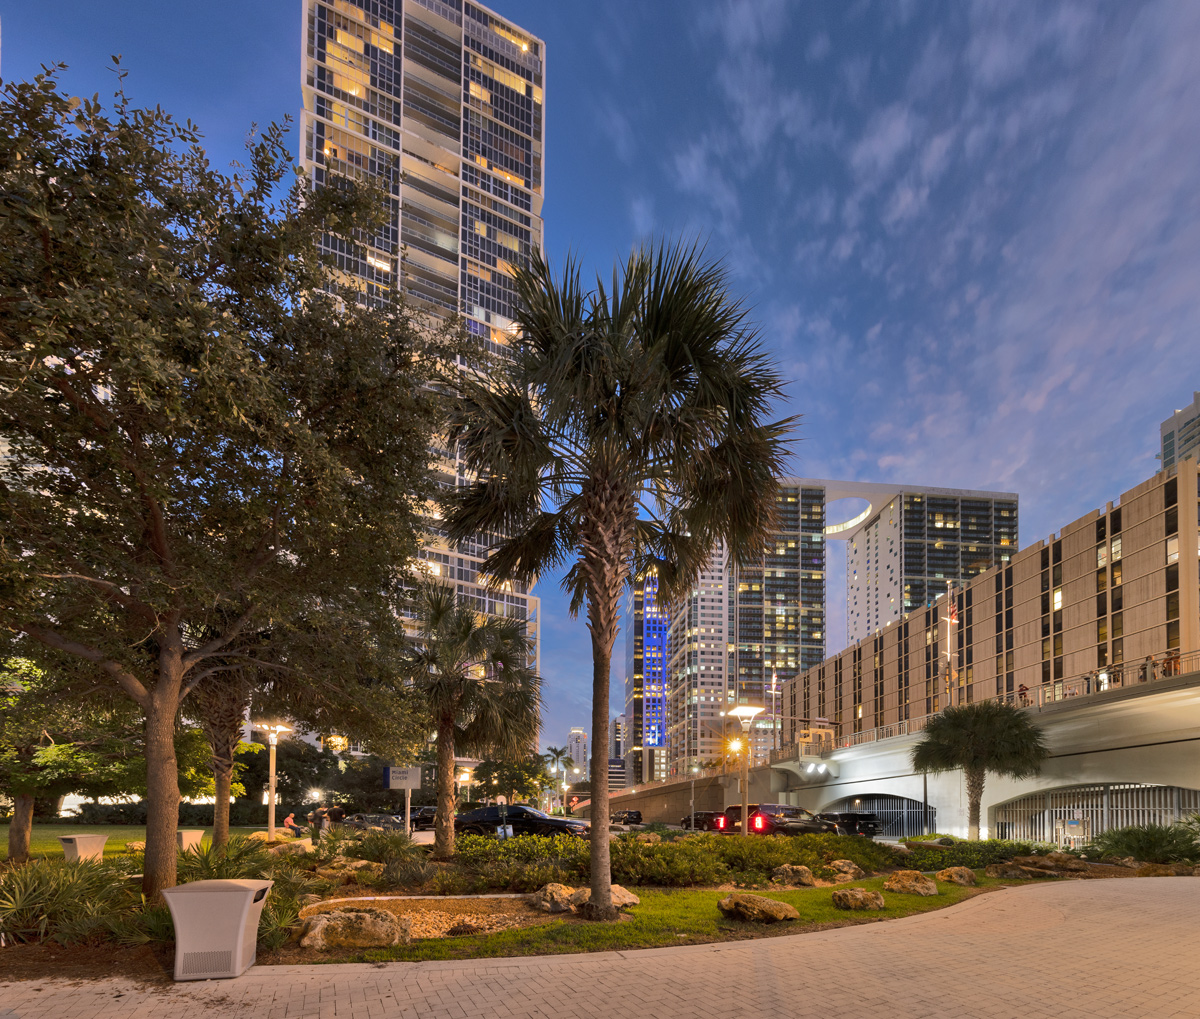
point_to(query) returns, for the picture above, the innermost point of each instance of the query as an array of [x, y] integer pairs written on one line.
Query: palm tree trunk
[[599, 906], [222, 780], [975, 777], [443, 822], [20, 828]]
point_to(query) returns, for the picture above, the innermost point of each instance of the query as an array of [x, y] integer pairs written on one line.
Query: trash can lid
[[218, 885]]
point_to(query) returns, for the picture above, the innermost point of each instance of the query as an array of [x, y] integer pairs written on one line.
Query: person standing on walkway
[[337, 814], [321, 818]]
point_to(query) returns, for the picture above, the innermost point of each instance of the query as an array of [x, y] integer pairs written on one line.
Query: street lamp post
[[745, 713], [692, 817], [272, 732]]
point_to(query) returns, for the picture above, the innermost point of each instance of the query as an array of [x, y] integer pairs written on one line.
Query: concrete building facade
[[577, 748], [442, 102], [1179, 435]]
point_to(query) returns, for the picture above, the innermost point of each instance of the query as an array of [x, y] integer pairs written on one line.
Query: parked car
[[421, 818], [774, 819], [362, 822], [524, 821], [625, 817], [867, 825], [701, 820]]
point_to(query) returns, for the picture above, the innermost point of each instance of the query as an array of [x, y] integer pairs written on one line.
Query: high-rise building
[[645, 664], [442, 102], [577, 749], [1180, 434], [743, 630], [616, 738], [1117, 590]]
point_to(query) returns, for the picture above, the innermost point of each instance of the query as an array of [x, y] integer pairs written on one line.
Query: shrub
[[966, 854], [1151, 843], [240, 857], [382, 846], [70, 901]]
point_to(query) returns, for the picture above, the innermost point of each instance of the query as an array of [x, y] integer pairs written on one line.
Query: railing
[[795, 751], [1100, 681], [1096, 683]]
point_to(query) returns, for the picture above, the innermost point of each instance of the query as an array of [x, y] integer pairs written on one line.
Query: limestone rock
[[847, 870], [964, 876], [649, 837], [621, 898], [553, 898], [1058, 862], [857, 898], [1164, 870], [756, 908], [910, 882], [1015, 872], [901, 850], [135, 847], [792, 874], [355, 928], [296, 846], [258, 836]]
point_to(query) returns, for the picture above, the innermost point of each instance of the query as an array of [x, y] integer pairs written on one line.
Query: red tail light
[[758, 823], [720, 822]]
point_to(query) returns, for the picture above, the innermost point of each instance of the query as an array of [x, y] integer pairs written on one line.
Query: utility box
[[83, 847], [216, 926], [189, 838]]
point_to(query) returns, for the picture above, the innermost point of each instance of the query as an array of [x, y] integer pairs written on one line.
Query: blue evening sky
[[969, 231]]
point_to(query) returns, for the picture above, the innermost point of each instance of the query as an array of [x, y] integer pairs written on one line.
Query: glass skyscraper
[[441, 101]]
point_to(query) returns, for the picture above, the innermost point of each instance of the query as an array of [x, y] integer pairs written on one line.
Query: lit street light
[[272, 732], [692, 819], [745, 713]]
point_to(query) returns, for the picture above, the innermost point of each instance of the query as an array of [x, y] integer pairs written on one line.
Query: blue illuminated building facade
[[645, 680]]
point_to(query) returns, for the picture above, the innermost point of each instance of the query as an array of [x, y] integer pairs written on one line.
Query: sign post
[[407, 779]]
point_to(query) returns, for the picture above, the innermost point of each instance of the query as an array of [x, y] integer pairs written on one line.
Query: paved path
[[1071, 950]]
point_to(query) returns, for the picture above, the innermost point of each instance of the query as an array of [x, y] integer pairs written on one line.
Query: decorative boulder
[[297, 846], [355, 928], [846, 870], [792, 874], [135, 847], [1016, 872], [756, 908], [621, 898], [1056, 862], [957, 876], [901, 850], [649, 837], [857, 898], [553, 898], [910, 882], [1164, 870]]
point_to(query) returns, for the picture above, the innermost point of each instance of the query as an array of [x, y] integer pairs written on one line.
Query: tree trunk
[[599, 906], [223, 781], [162, 783], [975, 777], [443, 822], [20, 828]]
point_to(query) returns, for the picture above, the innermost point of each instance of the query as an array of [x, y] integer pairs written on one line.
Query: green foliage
[[974, 854], [990, 735], [382, 846], [1150, 843], [514, 780], [240, 857], [65, 900]]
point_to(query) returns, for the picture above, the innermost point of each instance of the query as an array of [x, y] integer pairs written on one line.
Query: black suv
[[626, 817], [863, 824], [422, 817], [702, 820], [775, 819], [524, 821]]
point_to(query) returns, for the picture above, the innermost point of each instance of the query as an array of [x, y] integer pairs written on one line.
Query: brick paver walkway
[[1094, 949]]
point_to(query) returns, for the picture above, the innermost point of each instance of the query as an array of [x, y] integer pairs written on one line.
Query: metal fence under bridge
[[1113, 805], [901, 817]]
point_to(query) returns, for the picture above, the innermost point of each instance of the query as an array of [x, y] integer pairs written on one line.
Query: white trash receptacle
[[216, 926], [83, 847], [189, 838]]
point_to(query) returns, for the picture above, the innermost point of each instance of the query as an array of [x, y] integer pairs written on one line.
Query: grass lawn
[[45, 837], [671, 917]]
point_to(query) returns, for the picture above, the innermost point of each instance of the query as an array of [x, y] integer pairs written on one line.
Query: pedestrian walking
[[337, 814], [321, 818]]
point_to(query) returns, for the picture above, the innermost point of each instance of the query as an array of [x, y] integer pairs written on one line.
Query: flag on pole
[[953, 613]]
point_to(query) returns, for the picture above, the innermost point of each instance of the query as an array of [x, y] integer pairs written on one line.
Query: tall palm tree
[[556, 758], [625, 432], [978, 738], [474, 674]]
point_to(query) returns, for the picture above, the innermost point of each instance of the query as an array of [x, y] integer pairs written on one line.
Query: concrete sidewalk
[[1069, 950]]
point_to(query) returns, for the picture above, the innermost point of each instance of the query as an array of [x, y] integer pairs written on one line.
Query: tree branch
[[125, 679], [213, 646]]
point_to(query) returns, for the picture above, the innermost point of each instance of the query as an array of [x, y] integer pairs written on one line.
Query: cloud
[[818, 48]]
